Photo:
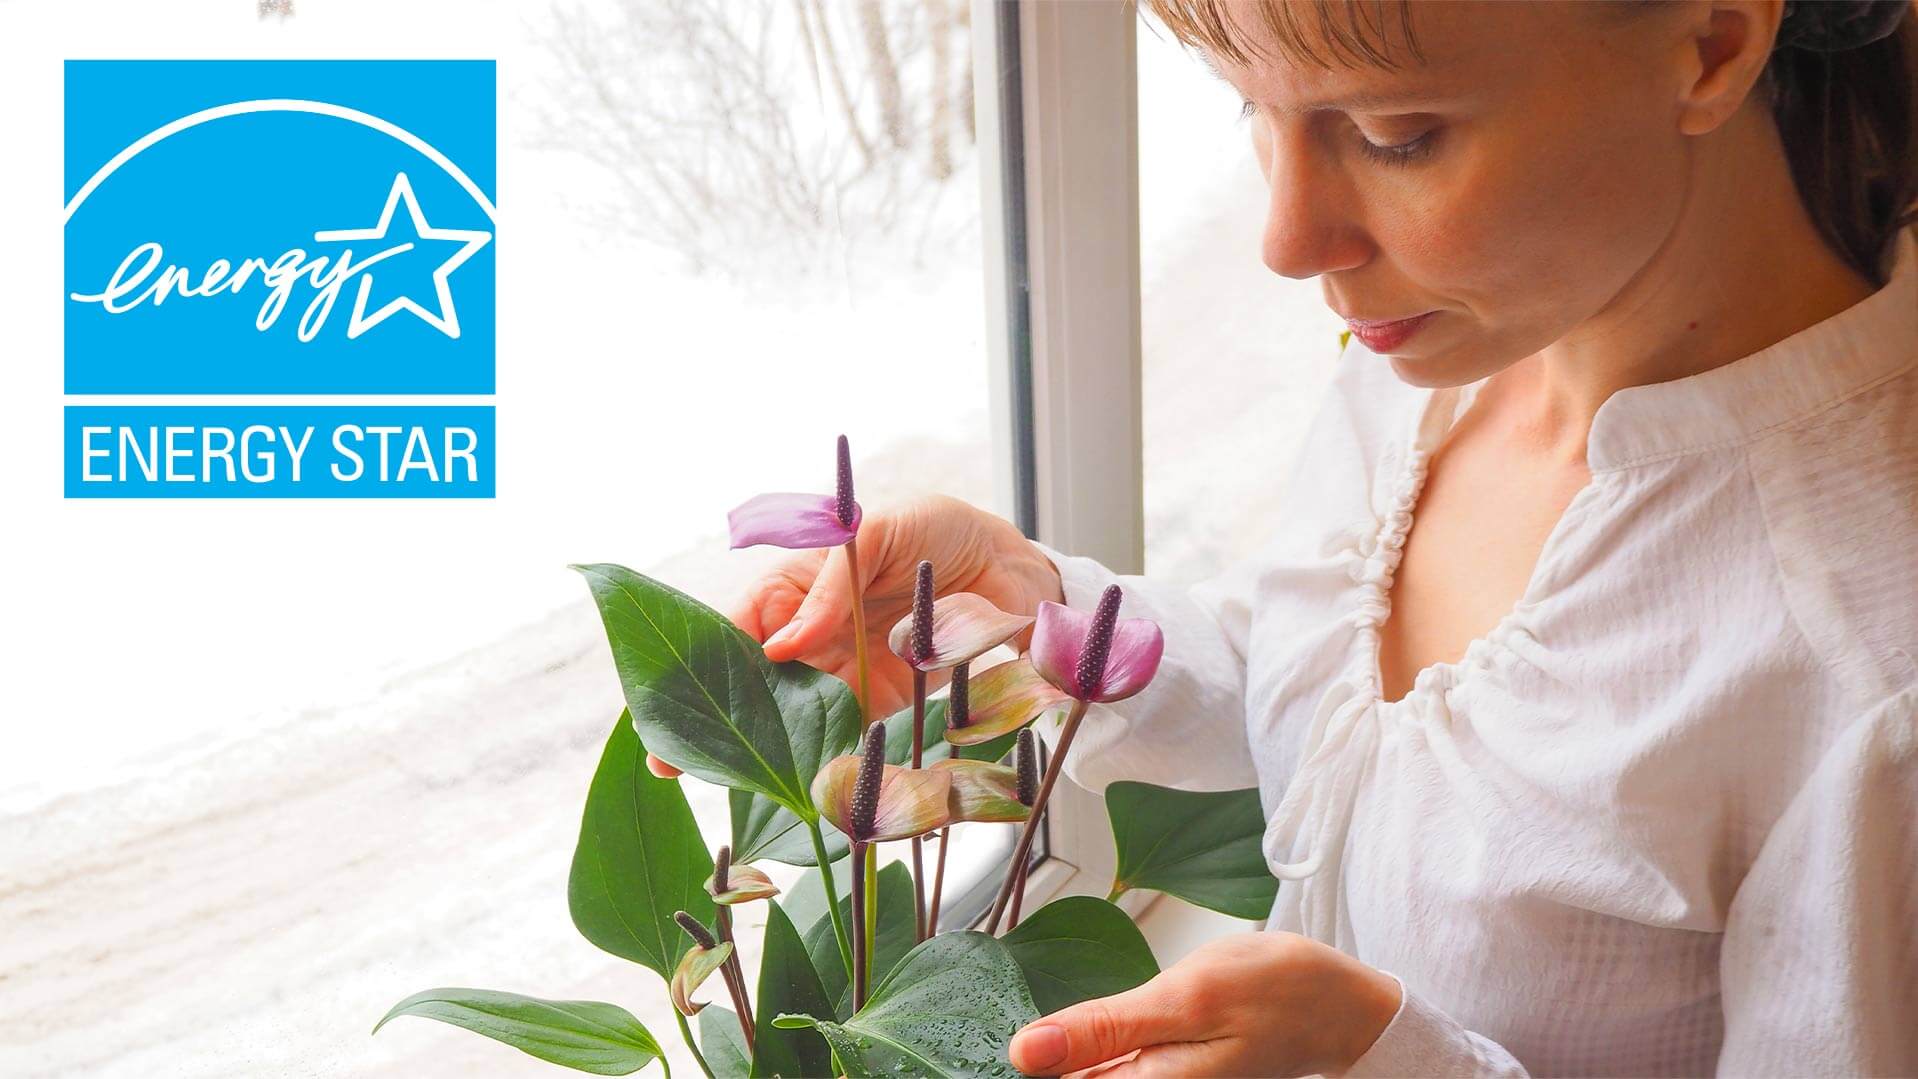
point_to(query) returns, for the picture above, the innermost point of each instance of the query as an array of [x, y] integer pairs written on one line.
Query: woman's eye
[[1399, 153], [1245, 110]]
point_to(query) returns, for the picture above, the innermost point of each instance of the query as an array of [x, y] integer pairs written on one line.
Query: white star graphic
[[447, 321]]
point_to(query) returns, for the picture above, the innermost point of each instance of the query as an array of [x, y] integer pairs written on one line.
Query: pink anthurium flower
[[982, 791], [1003, 698], [1096, 657], [799, 521], [951, 630], [902, 803]]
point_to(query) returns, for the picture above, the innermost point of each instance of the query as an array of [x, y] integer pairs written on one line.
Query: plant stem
[[872, 902], [859, 630], [735, 976], [1023, 848], [938, 884], [1018, 896], [686, 1032], [832, 896], [861, 950], [918, 752]]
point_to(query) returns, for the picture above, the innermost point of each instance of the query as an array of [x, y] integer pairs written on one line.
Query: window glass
[[273, 766], [1236, 357]]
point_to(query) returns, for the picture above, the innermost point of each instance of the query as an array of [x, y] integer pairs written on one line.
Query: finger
[[768, 602], [1173, 1060], [1098, 1030], [826, 612], [661, 768]]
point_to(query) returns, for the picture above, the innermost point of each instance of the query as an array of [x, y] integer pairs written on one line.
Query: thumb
[[826, 611], [1098, 1030]]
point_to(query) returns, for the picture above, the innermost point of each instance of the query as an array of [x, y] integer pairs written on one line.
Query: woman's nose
[[1309, 227]]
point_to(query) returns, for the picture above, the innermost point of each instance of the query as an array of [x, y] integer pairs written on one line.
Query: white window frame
[[1077, 92]]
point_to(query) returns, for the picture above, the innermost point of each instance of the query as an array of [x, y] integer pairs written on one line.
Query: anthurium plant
[[862, 984]]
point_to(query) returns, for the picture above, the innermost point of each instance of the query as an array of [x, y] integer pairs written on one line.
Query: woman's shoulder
[[1839, 491]]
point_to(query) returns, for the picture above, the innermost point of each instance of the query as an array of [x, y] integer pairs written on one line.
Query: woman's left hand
[[1248, 1004]]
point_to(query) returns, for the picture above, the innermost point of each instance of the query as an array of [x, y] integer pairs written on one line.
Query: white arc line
[[318, 108]]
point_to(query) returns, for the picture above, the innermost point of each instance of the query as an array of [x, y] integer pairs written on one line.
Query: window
[[1217, 326], [278, 765]]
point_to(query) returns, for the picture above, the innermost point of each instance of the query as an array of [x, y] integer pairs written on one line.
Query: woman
[[1579, 682]]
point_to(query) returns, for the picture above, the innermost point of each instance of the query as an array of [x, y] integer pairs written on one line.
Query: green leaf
[[788, 983], [1078, 948], [722, 1043], [948, 1009], [898, 925], [699, 690], [582, 1034], [822, 722], [640, 858], [1201, 847]]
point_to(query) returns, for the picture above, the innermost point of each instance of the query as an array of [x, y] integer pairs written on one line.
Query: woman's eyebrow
[[1361, 101]]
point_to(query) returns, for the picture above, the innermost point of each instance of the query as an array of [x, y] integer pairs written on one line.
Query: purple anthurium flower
[[1096, 657], [1004, 698], [799, 521], [982, 791], [956, 629]]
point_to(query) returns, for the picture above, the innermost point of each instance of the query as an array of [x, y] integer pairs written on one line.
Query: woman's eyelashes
[[1400, 153]]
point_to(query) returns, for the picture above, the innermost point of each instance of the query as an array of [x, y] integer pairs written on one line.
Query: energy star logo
[[278, 231]]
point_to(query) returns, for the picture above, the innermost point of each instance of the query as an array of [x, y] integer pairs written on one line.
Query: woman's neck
[[1743, 268]]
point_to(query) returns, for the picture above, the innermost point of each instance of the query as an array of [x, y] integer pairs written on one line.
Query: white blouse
[[1663, 817]]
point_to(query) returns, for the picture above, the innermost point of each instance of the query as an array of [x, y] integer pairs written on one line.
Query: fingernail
[[1040, 1047], [785, 632]]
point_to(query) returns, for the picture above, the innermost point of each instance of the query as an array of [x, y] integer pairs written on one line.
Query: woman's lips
[[1384, 335]]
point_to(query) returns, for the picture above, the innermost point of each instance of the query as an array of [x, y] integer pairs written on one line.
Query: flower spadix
[[875, 802], [1001, 699], [705, 956], [731, 885], [1096, 657], [799, 521], [982, 791], [954, 629], [1025, 766]]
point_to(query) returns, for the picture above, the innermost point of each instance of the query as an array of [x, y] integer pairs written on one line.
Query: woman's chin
[[1438, 372]]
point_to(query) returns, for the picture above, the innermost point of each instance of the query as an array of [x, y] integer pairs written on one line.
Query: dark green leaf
[[893, 936], [640, 858], [788, 983], [700, 691], [805, 901], [948, 1009], [583, 1034], [822, 722], [1201, 847], [722, 1044], [1078, 948]]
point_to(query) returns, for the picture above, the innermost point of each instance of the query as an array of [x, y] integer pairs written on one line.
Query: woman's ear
[[1727, 45]]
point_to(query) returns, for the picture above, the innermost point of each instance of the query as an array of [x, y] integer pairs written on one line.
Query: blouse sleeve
[[1186, 729], [1421, 1040], [1819, 967], [1819, 964]]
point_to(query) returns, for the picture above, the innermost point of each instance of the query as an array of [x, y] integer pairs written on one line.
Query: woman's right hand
[[802, 608]]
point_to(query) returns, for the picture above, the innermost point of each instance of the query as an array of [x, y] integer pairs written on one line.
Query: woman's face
[[1514, 182]]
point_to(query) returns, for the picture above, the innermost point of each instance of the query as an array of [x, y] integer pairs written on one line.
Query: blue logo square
[[280, 227]]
